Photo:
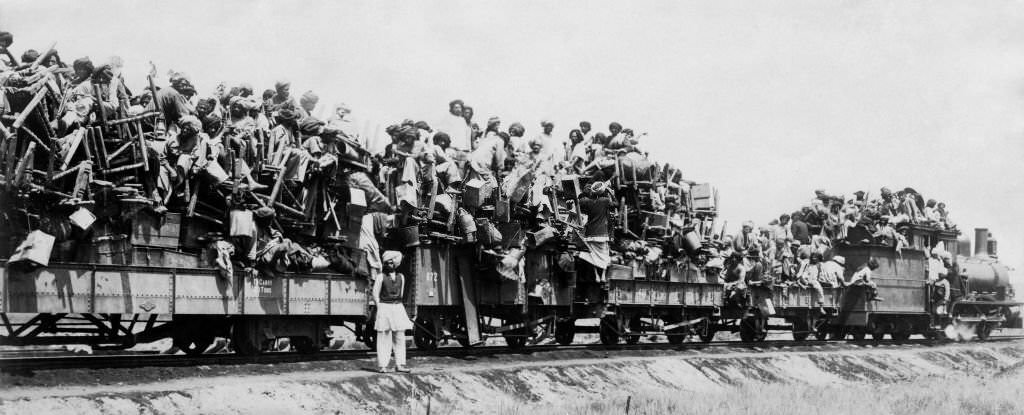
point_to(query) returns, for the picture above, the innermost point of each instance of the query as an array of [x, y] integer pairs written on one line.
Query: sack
[[34, 250], [242, 224], [487, 233], [542, 235]]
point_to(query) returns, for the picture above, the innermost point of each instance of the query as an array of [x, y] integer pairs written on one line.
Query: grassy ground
[[995, 396]]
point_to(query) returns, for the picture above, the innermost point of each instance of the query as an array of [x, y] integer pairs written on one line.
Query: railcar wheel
[[515, 339], [878, 332], [635, 326], [983, 331], [858, 333], [901, 335], [370, 335], [193, 345], [424, 334], [608, 333], [565, 332], [820, 329], [800, 330], [458, 328], [304, 345], [752, 329], [704, 331], [677, 336], [244, 341]]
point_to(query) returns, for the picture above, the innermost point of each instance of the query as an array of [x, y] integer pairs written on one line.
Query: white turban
[[391, 256]]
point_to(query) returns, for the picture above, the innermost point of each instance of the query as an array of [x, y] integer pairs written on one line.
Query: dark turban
[[83, 64], [29, 56], [311, 126], [6, 39], [103, 75]]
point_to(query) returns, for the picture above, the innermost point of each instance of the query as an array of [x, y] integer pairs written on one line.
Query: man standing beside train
[[391, 321]]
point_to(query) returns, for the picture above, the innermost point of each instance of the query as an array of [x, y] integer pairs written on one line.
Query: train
[[453, 295], [108, 256]]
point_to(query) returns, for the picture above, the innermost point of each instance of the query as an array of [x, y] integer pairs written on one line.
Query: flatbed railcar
[[454, 294], [121, 305]]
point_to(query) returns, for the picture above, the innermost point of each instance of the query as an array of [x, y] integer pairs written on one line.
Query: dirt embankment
[[686, 383]]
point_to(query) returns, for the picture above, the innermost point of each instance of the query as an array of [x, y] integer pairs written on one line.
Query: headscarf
[[599, 187], [391, 256], [281, 83]]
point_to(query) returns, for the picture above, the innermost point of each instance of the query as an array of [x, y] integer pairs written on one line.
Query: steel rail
[[124, 361]]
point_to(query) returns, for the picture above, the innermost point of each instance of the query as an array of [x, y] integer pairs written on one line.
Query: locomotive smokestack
[[980, 241]]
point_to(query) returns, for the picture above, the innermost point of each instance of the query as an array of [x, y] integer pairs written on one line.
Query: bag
[[542, 235], [242, 224], [34, 250]]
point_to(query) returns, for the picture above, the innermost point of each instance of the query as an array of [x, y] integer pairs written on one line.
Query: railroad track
[[23, 364]]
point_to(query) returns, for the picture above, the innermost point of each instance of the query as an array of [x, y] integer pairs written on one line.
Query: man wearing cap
[[745, 239], [180, 157], [282, 95], [284, 136], [391, 321], [341, 121], [886, 234], [587, 131], [597, 204], [799, 228], [488, 159], [553, 148], [307, 102], [517, 142], [783, 229], [467, 114], [458, 131], [173, 104], [939, 264], [811, 277], [863, 278]]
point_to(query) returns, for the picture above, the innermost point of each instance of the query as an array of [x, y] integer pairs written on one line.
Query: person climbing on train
[[596, 204], [863, 278], [391, 321], [833, 272], [938, 273]]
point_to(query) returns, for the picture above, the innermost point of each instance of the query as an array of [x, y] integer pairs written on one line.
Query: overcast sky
[[768, 100]]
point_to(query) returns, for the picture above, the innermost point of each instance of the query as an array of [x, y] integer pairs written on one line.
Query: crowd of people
[[797, 248], [287, 191]]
